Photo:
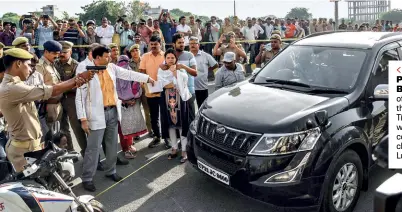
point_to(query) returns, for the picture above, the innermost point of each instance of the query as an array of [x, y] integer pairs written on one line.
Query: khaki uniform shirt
[[18, 107], [67, 70], [226, 29], [49, 72], [225, 48]]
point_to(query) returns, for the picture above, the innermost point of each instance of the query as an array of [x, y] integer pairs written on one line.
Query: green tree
[[65, 15], [394, 15], [299, 12], [136, 9], [11, 17], [102, 8]]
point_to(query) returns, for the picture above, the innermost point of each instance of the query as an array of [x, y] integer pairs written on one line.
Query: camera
[[45, 16]]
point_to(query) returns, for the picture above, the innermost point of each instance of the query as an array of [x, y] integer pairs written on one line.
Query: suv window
[[380, 75], [335, 68]]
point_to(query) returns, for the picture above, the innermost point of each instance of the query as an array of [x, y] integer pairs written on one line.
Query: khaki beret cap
[[18, 53], [112, 45], [19, 41], [66, 44], [134, 46], [2, 45]]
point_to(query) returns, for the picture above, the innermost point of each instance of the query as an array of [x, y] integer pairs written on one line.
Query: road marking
[[135, 171]]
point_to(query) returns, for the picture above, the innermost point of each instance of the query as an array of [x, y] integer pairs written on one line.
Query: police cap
[[1, 45], [52, 46], [66, 45], [112, 45], [18, 53], [19, 41]]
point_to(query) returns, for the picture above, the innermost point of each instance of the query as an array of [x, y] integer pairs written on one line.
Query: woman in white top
[[174, 107]]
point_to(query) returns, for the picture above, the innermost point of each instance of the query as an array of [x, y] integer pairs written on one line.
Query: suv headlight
[[272, 144]]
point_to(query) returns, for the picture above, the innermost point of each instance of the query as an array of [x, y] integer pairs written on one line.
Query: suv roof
[[357, 40]]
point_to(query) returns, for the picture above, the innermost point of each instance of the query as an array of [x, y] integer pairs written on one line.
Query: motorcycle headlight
[[271, 144]]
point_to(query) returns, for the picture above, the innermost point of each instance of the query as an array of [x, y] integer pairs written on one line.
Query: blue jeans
[[3, 141]]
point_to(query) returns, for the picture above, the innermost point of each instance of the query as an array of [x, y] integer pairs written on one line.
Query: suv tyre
[[343, 183]]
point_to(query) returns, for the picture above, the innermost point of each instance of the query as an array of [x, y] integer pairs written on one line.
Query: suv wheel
[[343, 183]]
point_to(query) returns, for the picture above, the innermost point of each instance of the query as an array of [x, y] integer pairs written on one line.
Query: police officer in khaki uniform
[[266, 55], [1, 49], [114, 55], [18, 107], [66, 67], [51, 77]]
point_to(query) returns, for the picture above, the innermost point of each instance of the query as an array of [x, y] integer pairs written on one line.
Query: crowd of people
[[161, 66]]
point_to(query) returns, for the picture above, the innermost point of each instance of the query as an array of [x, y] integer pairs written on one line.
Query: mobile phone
[[96, 68], [227, 39], [45, 16], [165, 10]]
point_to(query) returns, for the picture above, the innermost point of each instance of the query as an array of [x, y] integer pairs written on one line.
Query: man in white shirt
[[184, 29], [99, 110], [105, 32], [250, 33], [269, 27], [215, 28]]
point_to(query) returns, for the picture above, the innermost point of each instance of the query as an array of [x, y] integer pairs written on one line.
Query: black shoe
[[121, 161], [154, 142], [100, 167], [114, 177], [89, 186], [137, 138], [151, 134], [167, 144]]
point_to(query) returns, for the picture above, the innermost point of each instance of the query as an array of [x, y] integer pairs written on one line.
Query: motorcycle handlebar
[[54, 155]]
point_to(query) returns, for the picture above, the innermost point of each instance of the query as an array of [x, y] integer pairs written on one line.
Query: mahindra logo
[[220, 129]]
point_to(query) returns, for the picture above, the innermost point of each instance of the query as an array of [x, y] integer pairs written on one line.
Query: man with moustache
[[18, 107], [46, 67], [66, 67]]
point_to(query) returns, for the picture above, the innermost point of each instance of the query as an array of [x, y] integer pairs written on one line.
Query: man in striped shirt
[[71, 34]]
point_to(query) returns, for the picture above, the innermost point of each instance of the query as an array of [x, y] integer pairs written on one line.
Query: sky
[[220, 8]]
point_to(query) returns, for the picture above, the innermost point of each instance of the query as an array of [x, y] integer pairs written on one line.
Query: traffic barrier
[[242, 41]]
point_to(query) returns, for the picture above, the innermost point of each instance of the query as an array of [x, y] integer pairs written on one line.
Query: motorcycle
[[40, 187]]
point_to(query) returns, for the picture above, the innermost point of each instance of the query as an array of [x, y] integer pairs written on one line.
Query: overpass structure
[[367, 10]]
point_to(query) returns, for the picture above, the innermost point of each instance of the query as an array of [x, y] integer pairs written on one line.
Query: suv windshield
[[325, 67]]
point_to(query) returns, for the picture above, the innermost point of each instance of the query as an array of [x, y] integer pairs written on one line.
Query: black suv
[[300, 133]]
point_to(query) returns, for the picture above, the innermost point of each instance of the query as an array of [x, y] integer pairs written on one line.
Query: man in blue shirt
[[166, 28]]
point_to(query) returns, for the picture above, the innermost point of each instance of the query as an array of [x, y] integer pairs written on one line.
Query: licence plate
[[218, 175]]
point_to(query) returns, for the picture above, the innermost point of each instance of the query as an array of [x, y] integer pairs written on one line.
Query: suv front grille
[[236, 141]]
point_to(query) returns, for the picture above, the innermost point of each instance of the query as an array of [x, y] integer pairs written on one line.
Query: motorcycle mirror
[[388, 196]]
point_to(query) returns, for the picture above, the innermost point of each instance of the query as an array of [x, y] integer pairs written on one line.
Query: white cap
[[229, 57]]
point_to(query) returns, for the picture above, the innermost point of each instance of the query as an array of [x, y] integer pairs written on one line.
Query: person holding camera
[[44, 30], [72, 34], [126, 36], [227, 43], [145, 31]]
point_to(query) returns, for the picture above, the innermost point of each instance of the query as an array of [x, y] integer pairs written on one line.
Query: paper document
[[156, 88]]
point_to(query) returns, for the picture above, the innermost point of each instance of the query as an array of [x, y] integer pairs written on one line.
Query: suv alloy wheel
[[343, 183]]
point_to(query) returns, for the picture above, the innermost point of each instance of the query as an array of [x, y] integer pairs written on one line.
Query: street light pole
[[336, 15], [234, 7]]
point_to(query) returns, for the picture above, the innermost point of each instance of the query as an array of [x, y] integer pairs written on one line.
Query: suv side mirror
[[381, 92], [255, 71], [388, 196]]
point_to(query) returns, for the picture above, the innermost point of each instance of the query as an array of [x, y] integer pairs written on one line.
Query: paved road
[[154, 183]]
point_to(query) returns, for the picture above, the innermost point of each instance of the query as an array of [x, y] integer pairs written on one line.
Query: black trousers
[[191, 109], [200, 96], [154, 106]]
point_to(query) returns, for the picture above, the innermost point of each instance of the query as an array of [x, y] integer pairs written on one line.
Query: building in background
[[50, 10], [153, 12], [367, 10]]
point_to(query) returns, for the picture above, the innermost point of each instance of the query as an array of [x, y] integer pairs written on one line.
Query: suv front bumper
[[247, 176]]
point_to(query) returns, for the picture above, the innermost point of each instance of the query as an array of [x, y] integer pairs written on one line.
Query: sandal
[[133, 150], [171, 156], [129, 155], [183, 159]]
